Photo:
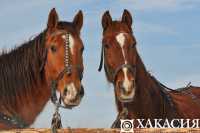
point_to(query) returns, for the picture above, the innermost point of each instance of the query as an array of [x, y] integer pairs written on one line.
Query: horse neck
[[147, 100], [28, 107], [29, 98], [35, 103]]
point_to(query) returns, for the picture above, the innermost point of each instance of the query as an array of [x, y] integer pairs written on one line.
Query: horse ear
[[106, 20], [127, 18], [52, 20], [78, 20]]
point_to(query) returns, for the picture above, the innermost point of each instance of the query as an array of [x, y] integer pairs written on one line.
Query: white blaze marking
[[126, 83], [71, 92], [71, 41], [121, 40]]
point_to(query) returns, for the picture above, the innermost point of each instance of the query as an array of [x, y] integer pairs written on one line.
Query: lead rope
[[56, 121], [101, 60], [122, 115]]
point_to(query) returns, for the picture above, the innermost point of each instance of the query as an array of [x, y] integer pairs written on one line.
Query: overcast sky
[[167, 32]]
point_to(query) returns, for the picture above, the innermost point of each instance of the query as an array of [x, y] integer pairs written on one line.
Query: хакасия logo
[[127, 125]]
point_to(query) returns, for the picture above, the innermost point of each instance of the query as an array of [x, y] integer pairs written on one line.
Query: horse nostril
[[120, 83], [65, 92], [128, 92], [133, 83], [82, 91], [123, 90]]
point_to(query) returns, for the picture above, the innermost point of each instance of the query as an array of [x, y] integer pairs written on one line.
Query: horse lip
[[126, 100], [70, 105]]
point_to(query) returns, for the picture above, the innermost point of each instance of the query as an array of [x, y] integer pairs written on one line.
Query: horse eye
[[53, 48]]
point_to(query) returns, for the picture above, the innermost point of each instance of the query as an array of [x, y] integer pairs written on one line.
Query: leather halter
[[130, 67], [67, 70]]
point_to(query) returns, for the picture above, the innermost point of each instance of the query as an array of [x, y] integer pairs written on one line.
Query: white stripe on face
[[127, 85], [121, 40], [126, 82], [71, 92], [71, 41]]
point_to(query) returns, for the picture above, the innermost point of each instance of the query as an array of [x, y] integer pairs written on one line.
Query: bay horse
[[27, 72], [136, 90]]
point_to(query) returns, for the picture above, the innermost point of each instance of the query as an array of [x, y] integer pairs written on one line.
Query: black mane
[[20, 71]]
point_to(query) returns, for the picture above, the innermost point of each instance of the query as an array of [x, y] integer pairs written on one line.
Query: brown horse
[[141, 94], [27, 72]]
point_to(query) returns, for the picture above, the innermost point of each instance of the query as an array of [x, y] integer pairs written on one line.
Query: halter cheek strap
[[101, 60]]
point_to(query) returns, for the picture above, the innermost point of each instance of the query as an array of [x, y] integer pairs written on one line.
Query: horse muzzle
[[72, 96], [125, 93]]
